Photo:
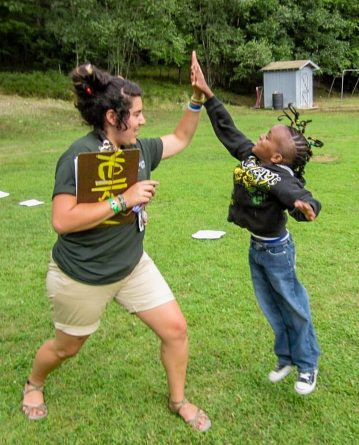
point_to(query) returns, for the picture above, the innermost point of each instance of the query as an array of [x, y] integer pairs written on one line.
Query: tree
[[25, 42], [348, 11], [233, 38], [214, 36], [168, 42], [71, 23]]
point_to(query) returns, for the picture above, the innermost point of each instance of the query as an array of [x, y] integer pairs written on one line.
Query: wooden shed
[[288, 82]]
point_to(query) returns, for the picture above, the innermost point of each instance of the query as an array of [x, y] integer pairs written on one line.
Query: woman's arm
[[181, 137], [68, 216], [238, 145]]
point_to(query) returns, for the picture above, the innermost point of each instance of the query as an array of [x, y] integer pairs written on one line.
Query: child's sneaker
[[279, 373], [306, 382]]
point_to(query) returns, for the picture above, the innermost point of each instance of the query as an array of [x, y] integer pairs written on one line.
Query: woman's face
[[135, 121]]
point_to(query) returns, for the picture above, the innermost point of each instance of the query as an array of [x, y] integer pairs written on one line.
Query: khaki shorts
[[77, 307]]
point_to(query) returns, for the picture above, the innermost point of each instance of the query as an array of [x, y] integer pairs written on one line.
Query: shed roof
[[289, 65]]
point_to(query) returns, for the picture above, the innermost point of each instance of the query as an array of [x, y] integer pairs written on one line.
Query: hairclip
[[89, 69], [314, 142], [88, 89], [299, 125]]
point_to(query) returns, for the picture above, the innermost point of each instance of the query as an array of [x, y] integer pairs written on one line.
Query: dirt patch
[[325, 158]]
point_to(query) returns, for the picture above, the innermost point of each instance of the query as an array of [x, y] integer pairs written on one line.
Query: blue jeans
[[285, 303]]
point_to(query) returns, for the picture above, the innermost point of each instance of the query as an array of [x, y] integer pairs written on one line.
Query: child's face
[[268, 148]]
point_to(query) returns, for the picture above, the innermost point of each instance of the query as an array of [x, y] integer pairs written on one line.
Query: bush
[[54, 85], [50, 84], [160, 94]]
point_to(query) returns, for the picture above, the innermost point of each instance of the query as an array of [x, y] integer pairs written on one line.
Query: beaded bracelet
[[114, 205], [122, 203]]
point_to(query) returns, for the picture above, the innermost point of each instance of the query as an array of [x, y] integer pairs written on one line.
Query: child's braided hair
[[303, 145]]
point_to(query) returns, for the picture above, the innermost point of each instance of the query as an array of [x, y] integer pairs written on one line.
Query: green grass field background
[[114, 391]]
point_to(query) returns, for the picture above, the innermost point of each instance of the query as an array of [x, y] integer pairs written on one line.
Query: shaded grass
[[114, 391]]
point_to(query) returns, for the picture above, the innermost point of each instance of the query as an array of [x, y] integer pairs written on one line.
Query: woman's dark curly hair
[[97, 91]]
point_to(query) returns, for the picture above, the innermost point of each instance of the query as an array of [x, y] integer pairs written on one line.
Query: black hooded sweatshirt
[[261, 193]]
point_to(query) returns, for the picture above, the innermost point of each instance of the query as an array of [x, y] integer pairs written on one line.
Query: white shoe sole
[[275, 377], [308, 389]]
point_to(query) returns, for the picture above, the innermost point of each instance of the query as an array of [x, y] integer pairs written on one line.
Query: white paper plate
[[31, 203], [208, 234]]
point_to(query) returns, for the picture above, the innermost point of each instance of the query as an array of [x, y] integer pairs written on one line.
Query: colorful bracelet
[[137, 208], [122, 203], [200, 101], [194, 107], [114, 205]]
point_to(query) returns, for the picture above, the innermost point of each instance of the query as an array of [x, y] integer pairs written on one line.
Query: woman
[[91, 265]]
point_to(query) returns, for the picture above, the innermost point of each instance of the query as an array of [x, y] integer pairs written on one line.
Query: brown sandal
[[175, 407], [28, 409]]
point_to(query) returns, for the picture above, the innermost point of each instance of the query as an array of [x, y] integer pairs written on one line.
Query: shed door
[[305, 88]]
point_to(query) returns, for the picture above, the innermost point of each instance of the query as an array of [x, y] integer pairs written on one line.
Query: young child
[[268, 182]]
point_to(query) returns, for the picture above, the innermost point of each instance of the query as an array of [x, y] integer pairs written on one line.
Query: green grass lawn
[[114, 391]]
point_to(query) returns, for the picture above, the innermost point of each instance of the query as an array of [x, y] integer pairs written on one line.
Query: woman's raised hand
[[198, 80]]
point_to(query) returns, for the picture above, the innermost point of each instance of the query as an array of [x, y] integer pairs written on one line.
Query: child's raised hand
[[306, 209], [198, 80]]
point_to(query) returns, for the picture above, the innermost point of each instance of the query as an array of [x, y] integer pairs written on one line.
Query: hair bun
[[89, 69]]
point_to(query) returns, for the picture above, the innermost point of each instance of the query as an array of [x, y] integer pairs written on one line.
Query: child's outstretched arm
[[306, 209], [238, 145], [300, 203]]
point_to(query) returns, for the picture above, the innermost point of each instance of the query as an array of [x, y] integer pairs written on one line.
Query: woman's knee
[[178, 329], [68, 346], [167, 321]]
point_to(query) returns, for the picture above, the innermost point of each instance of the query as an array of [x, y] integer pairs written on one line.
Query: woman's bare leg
[[168, 322], [50, 355]]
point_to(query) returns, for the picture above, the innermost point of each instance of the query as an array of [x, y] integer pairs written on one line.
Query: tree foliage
[[233, 38]]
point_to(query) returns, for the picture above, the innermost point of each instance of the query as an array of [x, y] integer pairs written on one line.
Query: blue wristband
[[194, 107]]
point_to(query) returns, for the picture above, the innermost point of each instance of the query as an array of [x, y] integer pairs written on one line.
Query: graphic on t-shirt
[[255, 178]]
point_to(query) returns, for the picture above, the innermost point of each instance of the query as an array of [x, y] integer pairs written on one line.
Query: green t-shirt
[[107, 254]]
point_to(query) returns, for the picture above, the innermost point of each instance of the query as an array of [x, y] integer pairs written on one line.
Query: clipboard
[[104, 175]]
